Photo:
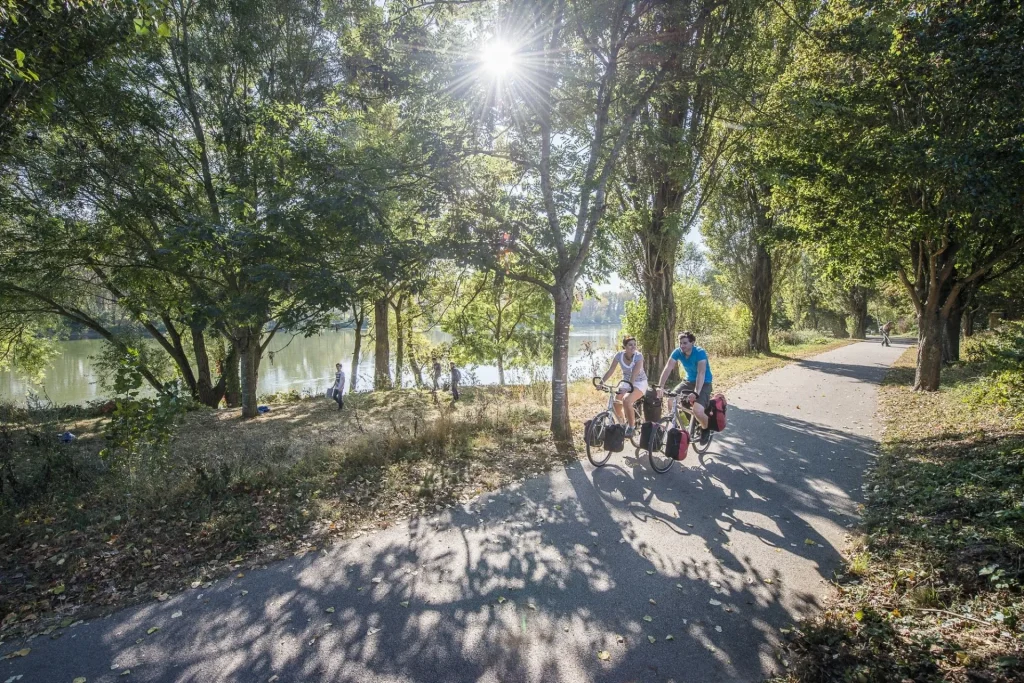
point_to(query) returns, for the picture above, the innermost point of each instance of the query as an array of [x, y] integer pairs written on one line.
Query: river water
[[303, 364]]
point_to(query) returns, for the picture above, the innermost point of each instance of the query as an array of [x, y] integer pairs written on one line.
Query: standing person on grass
[[437, 373], [456, 378], [697, 383], [338, 390], [632, 363]]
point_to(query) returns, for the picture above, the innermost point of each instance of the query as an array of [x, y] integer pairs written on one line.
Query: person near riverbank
[[338, 390], [632, 363], [437, 374], [456, 378], [697, 368]]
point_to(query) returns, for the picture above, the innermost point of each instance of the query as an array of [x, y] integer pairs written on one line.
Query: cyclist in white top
[[632, 363]]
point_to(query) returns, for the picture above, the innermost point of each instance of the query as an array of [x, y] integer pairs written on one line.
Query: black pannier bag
[[649, 431], [652, 406], [615, 438]]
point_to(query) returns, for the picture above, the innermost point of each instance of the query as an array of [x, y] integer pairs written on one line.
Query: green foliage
[[700, 312], [634, 321], [1001, 354], [501, 321], [797, 337], [140, 430], [26, 344]]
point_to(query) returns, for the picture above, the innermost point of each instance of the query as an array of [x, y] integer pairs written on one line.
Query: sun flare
[[498, 57]]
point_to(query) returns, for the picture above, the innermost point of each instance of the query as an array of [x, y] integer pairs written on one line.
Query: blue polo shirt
[[697, 354]]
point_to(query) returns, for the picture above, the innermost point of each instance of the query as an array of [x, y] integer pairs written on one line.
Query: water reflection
[[292, 363]]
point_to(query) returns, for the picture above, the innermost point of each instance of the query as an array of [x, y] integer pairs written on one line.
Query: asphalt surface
[[532, 582]]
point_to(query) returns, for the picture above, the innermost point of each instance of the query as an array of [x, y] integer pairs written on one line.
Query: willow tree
[[675, 154], [193, 173], [899, 144], [747, 243], [563, 84]]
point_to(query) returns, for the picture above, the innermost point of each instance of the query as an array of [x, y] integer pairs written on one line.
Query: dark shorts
[[705, 391]]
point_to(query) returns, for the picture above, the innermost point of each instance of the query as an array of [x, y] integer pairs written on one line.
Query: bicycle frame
[[612, 393]]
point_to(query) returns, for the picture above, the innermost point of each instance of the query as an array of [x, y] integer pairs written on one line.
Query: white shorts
[[641, 386]]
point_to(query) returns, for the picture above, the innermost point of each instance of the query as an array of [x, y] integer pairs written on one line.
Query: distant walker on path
[[885, 330]]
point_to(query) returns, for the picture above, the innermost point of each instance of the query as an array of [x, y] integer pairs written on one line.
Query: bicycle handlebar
[[600, 385]]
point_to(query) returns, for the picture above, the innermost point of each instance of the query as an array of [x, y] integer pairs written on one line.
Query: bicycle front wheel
[[700, 439], [597, 454], [637, 420], [661, 461]]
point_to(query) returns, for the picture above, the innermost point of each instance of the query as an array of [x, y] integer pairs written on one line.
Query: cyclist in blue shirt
[[697, 370]]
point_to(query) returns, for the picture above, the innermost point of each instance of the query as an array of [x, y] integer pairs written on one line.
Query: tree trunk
[[360, 316], [247, 341], [658, 336], [560, 428], [232, 382], [501, 369], [970, 318], [381, 346], [207, 392], [857, 307], [951, 334], [399, 341], [414, 363], [761, 300], [929, 349]]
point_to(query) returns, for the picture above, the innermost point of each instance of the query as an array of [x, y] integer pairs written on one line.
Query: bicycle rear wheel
[[598, 455], [661, 461]]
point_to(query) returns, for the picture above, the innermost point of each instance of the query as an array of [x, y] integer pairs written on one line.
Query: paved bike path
[[531, 583]]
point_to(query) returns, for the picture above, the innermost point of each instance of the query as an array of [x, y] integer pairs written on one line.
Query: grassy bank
[[78, 537], [932, 591]]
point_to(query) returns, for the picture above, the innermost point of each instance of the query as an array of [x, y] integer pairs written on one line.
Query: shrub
[[797, 337], [1001, 355], [140, 430]]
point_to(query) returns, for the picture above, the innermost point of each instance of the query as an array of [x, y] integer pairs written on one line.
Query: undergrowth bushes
[[1000, 356]]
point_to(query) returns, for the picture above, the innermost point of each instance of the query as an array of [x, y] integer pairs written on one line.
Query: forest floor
[[231, 495], [932, 590]]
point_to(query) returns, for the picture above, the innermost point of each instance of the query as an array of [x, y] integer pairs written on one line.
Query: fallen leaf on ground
[[718, 628], [329, 610], [604, 655], [808, 541], [652, 639], [670, 637], [404, 603], [376, 579], [714, 603], [152, 630], [176, 614], [501, 599], [648, 618], [18, 653], [649, 572], [651, 600], [80, 679]]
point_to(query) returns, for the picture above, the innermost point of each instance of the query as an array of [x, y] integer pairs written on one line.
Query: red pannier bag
[[717, 407]]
